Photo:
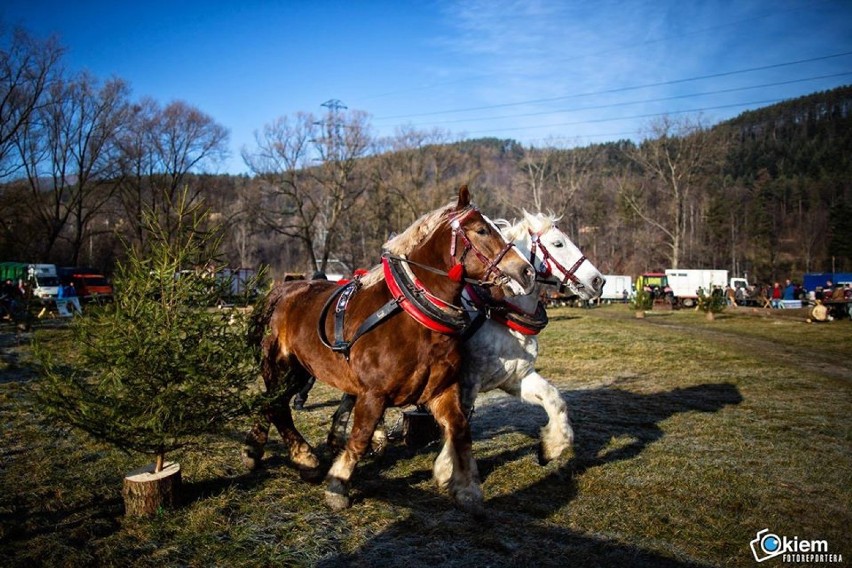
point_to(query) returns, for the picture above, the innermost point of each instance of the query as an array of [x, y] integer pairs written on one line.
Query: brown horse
[[394, 359]]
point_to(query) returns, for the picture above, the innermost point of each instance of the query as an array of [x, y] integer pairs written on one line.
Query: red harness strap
[[410, 307], [509, 315]]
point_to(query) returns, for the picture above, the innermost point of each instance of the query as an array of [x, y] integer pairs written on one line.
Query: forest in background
[[766, 194]]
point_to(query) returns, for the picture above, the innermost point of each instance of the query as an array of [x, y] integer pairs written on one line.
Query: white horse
[[502, 351]]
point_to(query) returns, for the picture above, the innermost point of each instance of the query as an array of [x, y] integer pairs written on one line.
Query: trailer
[[685, 284], [814, 280], [617, 288]]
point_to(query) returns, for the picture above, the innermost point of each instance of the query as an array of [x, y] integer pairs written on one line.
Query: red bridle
[[548, 261], [458, 234]]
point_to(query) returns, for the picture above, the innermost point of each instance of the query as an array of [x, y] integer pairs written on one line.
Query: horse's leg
[[255, 440], [366, 414], [557, 435], [340, 420], [455, 469], [277, 412], [301, 453]]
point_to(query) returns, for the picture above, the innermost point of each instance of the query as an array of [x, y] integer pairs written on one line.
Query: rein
[[548, 260]]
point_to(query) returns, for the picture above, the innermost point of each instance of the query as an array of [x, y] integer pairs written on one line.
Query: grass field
[[691, 436]]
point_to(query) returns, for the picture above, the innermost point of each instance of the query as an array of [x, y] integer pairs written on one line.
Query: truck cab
[[44, 281]]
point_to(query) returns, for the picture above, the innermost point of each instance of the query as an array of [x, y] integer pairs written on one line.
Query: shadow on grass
[[436, 534]]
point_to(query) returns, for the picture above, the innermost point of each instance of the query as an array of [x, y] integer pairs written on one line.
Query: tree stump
[[145, 492]]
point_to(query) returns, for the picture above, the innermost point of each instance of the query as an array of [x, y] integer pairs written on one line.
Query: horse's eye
[[482, 231], [558, 244]]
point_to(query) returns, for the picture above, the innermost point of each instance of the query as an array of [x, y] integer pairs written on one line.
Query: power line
[[622, 89], [631, 46], [642, 101], [634, 117]]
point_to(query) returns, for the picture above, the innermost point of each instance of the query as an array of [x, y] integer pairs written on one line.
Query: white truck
[[44, 280], [617, 288], [685, 283]]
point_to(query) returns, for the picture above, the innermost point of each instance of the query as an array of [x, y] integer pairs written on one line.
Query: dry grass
[[690, 437]]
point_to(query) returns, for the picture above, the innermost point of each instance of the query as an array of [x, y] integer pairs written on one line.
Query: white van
[[44, 281]]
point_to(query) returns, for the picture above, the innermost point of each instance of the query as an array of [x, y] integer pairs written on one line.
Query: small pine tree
[[642, 300], [712, 303], [158, 367]]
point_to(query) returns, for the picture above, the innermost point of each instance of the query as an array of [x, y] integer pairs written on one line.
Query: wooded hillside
[[768, 193]]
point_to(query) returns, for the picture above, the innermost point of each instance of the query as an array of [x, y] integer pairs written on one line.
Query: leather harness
[[408, 294]]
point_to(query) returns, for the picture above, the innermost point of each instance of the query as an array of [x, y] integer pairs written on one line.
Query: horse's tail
[[261, 316]]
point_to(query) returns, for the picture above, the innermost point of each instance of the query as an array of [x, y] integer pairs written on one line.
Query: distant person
[[789, 291], [777, 294]]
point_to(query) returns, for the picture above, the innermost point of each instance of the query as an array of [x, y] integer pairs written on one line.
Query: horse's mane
[[536, 223], [406, 241]]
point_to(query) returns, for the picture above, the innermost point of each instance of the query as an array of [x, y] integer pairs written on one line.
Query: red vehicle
[[92, 287]]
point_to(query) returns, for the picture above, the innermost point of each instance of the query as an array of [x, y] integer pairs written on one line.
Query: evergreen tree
[[159, 366]]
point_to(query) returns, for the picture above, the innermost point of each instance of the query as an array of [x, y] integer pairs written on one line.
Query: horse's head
[[481, 252], [555, 257]]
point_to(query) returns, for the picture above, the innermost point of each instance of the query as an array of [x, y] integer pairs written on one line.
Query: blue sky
[[568, 73]]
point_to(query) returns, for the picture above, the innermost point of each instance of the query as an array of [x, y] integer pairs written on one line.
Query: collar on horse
[[408, 294], [507, 314], [548, 262]]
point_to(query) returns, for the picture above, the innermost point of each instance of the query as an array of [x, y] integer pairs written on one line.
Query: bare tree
[[162, 146], [553, 175], [673, 160], [137, 163], [184, 140], [309, 166], [344, 138], [70, 156], [27, 67]]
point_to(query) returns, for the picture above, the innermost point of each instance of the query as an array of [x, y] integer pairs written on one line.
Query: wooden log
[[146, 492]]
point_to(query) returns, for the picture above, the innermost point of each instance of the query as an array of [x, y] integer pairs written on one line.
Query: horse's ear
[[464, 197]]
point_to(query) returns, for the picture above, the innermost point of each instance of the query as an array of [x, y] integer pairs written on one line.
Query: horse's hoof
[[336, 495], [251, 457], [548, 454], [471, 502], [304, 458]]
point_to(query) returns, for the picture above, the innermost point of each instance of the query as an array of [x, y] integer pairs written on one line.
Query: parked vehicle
[[814, 280], [685, 283], [236, 284], [680, 286], [617, 288], [44, 281], [40, 278], [656, 283], [89, 284]]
